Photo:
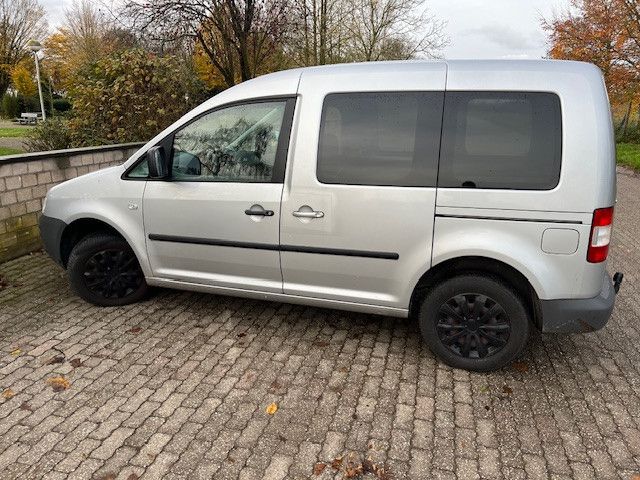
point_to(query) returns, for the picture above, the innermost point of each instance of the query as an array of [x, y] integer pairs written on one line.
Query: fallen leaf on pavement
[[107, 476], [318, 468], [508, 390], [58, 383], [56, 359], [369, 467], [352, 472], [75, 363], [134, 330], [16, 352], [8, 393], [521, 367], [272, 408], [336, 463], [26, 406]]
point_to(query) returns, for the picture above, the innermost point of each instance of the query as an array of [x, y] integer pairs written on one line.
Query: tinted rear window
[[504, 140], [380, 138]]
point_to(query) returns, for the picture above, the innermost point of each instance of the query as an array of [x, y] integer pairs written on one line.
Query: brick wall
[[25, 180]]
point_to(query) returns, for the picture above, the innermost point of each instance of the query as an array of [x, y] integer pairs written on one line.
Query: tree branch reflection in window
[[234, 144]]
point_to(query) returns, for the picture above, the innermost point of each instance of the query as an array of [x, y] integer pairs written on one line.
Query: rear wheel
[[474, 322], [103, 270]]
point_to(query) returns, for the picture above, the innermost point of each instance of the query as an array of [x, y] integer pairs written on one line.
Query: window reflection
[[235, 144]]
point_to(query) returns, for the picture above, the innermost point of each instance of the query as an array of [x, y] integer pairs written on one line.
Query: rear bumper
[[579, 315], [51, 234]]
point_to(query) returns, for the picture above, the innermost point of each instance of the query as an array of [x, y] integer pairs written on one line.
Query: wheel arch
[[477, 264], [81, 228]]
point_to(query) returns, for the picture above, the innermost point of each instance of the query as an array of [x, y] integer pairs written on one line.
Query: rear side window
[[506, 140], [388, 139]]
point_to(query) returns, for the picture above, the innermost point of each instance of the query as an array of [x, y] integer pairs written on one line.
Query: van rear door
[[358, 203]]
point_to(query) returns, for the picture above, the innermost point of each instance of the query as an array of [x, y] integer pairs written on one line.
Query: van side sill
[[280, 297]]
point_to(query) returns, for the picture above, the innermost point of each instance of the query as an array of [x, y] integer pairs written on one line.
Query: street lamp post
[[35, 47]]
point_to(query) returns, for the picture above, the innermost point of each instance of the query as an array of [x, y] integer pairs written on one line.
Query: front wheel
[[103, 270], [474, 322]]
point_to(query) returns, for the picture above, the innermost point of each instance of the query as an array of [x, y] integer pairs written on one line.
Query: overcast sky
[[477, 28]]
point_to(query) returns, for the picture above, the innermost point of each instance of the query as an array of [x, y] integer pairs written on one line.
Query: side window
[[388, 139], [141, 170], [233, 144], [505, 140]]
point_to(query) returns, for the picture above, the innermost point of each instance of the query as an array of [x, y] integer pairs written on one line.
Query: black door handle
[[258, 210]]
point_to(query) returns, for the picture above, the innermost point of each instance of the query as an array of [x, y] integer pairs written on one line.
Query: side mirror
[[157, 161]]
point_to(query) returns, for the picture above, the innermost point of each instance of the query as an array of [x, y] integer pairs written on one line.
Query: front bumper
[[51, 234], [580, 315]]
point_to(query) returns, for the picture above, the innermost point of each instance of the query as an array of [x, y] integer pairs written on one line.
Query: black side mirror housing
[[158, 165]]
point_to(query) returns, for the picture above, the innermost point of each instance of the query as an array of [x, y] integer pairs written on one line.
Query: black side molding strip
[[511, 219], [268, 246], [207, 241], [340, 251]]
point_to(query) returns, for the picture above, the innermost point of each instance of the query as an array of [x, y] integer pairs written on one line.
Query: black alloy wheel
[[113, 273], [104, 270], [473, 325], [474, 321]]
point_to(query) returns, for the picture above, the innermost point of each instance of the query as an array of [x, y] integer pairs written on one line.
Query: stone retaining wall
[[25, 180]]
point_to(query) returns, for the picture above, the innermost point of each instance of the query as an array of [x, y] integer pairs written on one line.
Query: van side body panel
[[103, 196], [543, 234], [535, 230], [390, 219]]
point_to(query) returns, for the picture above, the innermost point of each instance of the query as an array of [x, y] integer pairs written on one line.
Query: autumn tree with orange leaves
[[606, 33]]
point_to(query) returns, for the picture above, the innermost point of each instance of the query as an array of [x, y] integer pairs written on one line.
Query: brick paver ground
[[178, 386]]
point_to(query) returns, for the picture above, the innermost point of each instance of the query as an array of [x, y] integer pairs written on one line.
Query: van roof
[[286, 82], [460, 65]]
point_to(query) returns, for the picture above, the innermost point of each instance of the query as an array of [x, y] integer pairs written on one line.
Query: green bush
[[54, 134], [61, 105], [130, 96], [630, 135], [10, 106]]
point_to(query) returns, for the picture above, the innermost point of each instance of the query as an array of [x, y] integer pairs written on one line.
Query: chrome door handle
[[308, 214]]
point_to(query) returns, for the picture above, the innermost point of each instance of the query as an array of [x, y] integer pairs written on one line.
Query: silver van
[[474, 196]]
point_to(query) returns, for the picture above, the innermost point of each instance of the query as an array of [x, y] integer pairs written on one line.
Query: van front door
[[358, 204], [215, 221]]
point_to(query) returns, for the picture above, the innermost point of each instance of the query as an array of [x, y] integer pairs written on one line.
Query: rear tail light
[[600, 235]]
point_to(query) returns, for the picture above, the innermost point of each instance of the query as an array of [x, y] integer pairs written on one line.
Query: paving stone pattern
[[178, 386]]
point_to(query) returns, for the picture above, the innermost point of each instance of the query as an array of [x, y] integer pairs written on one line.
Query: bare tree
[[239, 37], [20, 21], [394, 30], [334, 31], [86, 35], [317, 35], [86, 25]]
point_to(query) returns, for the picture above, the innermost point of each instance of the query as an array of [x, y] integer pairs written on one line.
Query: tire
[[103, 270], [474, 322]]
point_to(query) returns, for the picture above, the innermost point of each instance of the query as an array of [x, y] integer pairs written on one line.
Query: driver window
[[233, 144]]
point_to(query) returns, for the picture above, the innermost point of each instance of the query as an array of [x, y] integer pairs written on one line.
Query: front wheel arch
[[79, 229]]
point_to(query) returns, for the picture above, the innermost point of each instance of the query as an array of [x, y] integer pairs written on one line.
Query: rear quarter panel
[[587, 181]]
